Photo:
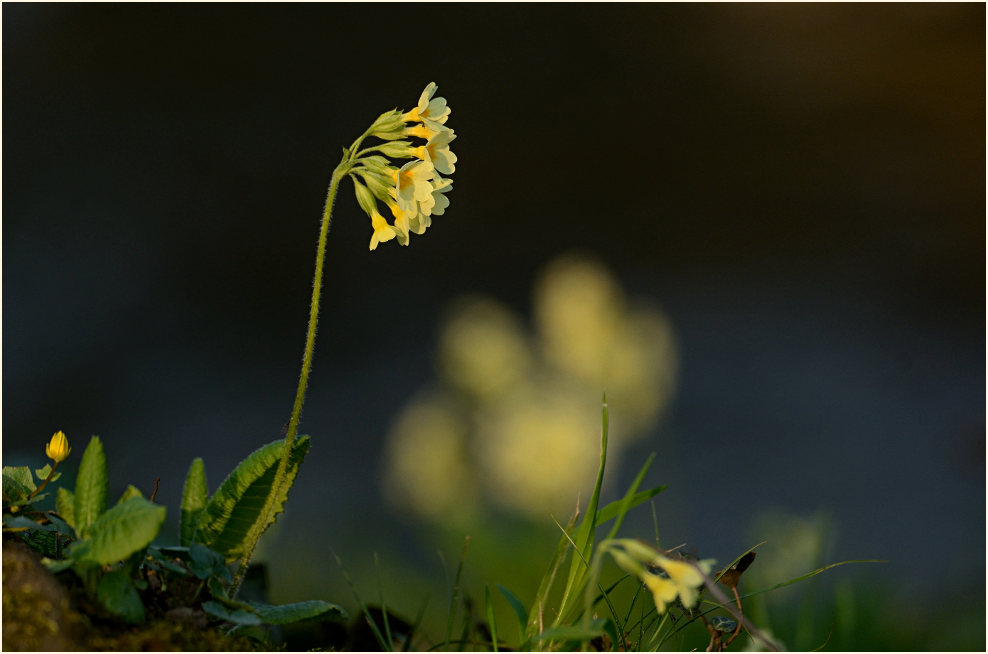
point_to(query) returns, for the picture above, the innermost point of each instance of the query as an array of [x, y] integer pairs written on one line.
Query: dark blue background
[[800, 187]]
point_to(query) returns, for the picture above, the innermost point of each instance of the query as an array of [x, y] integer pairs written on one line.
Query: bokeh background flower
[[531, 395], [799, 189]]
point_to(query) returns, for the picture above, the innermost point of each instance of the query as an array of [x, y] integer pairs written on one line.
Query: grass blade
[[518, 608], [627, 502], [491, 621], [585, 532]]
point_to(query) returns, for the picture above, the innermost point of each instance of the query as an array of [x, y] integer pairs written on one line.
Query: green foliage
[[116, 534], [43, 473], [65, 505], [195, 496], [91, 487], [129, 492], [255, 613], [117, 593], [18, 484], [236, 506]]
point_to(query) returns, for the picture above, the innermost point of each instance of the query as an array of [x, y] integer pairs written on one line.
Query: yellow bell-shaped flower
[[58, 448]]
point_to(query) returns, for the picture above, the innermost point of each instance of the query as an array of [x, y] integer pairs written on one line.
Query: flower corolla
[[58, 448], [414, 191]]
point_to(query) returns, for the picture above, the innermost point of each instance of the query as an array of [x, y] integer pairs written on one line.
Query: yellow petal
[[663, 591]]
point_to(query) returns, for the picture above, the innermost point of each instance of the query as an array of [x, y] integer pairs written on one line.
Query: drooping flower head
[[58, 448], [666, 578], [413, 191], [680, 578]]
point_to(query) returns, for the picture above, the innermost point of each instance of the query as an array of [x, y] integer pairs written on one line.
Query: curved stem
[[268, 511], [51, 473]]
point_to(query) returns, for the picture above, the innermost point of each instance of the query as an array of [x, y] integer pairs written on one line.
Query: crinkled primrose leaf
[[236, 506]]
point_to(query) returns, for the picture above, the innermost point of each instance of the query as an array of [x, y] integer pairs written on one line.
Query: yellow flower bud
[[58, 448]]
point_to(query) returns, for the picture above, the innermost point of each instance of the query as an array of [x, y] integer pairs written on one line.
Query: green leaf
[[236, 506], [121, 531], [60, 525], [65, 505], [613, 509], [204, 563], [491, 620], [42, 474], [117, 593], [129, 492], [288, 613], [625, 504], [90, 487], [17, 485], [812, 574], [549, 578], [574, 632], [583, 542], [194, 499], [22, 522], [236, 616], [518, 608], [160, 559]]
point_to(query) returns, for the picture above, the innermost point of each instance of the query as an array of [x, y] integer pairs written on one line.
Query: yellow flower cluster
[[508, 393], [666, 578], [415, 191]]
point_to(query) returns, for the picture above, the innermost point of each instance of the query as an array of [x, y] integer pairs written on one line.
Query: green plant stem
[[51, 473], [268, 510]]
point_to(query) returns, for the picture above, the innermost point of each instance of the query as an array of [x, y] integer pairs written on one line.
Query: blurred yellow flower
[[58, 448], [426, 460], [664, 577], [529, 399], [483, 349], [539, 450], [579, 309], [681, 578]]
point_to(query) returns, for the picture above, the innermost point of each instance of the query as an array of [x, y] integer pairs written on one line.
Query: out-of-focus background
[[759, 229]]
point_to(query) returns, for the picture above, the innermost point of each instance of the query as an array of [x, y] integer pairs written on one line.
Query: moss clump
[[37, 610], [40, 613]]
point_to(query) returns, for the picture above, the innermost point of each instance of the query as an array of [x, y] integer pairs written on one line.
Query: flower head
[[58, 448], [682, 578], [664, 577], [413, 191]]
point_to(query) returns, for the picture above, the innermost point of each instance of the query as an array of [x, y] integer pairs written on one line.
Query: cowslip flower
[[433, 110], [436, 151], [383, 232], [58, 448], [413, 191], [664, 577], [681, 578], [413, 187], [440, 186]]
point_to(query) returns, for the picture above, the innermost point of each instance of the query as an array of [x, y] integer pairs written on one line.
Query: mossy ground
[[46, 612]]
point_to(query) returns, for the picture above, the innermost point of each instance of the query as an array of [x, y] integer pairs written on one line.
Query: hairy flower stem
[[277, 486]]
